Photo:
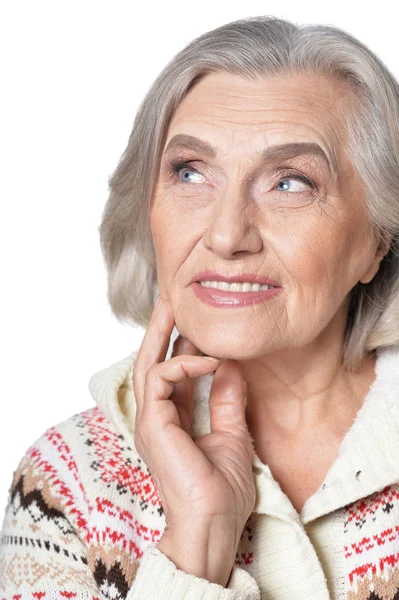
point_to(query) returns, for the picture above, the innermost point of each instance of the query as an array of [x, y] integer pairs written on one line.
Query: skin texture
[[231, 213]]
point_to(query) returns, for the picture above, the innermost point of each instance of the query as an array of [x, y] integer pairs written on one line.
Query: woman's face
[[237, 212]]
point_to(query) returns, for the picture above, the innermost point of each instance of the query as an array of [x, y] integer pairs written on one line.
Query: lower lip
[[226, 299]]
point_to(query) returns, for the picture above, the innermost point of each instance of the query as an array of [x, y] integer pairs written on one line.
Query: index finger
[[153, 348]]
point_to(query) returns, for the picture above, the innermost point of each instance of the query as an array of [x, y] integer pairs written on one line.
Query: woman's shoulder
[[87, 457], [82, 478]]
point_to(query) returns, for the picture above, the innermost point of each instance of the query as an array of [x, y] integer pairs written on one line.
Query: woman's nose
[[232, 228]]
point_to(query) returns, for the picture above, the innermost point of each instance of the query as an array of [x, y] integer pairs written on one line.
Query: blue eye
[[299, 178], [187, 172], [186, 168]]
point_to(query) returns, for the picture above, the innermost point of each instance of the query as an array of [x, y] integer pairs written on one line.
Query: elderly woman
[[256, 455]]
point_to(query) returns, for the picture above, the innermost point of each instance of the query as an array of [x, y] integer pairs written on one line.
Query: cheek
[[172, 247], [162, 233], [174, 232], [315, 257]]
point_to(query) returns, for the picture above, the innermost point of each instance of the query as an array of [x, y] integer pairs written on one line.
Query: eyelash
[[177, 166]]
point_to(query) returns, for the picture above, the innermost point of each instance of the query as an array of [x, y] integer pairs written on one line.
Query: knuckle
[[181, 361], [149, 374]]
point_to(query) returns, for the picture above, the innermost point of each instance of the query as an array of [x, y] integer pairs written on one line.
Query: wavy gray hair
[[264, 46]]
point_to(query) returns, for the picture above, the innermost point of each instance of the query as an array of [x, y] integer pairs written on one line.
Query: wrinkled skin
[[232, 213]]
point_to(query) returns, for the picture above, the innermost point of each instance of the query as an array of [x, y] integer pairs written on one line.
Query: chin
[[238, 353]]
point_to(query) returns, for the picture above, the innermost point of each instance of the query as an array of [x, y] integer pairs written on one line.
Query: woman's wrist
[[206, 551]]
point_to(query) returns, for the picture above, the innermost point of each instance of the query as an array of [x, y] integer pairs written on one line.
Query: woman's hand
[[205, 484]]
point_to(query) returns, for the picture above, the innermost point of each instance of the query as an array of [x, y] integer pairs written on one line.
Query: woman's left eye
[[299, 180]]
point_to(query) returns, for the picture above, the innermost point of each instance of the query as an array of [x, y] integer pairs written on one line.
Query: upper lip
[[209, 275]]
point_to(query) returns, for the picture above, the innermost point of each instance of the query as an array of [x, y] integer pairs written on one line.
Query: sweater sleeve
[[158, 578], [44, 554]]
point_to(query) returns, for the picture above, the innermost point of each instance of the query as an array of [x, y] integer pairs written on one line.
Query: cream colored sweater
[[84, 515]]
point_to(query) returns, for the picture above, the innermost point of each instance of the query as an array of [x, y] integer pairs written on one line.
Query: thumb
[[227, 400]]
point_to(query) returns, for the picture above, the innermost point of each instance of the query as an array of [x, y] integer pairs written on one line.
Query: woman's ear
[[382, 249], [384, 246]]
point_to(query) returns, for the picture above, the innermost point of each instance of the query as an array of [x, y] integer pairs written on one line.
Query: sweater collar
[[368, 454]]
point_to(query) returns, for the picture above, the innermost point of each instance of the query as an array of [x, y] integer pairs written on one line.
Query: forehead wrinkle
[[277, 98]]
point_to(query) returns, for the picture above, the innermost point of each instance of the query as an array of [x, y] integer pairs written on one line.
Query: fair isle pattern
[[84, 514], [114, 464], [99, 540], [373, 555], [49, 501], [245, 553]]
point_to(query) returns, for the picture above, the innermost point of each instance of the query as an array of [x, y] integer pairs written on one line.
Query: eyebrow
[[272, 153]]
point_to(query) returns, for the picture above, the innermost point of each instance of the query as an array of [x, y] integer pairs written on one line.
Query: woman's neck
[[293, 409]]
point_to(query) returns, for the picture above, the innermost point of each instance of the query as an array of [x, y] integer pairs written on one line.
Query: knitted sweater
[[84, 515]]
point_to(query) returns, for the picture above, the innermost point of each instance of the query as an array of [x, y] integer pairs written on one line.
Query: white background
[[72, 76]]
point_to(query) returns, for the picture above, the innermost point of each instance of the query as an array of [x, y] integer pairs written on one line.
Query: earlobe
[[365, 279]]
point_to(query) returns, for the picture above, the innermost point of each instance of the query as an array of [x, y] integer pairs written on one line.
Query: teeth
[[236, 287]]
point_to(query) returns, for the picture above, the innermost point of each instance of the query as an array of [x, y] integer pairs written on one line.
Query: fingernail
[[215, 360]]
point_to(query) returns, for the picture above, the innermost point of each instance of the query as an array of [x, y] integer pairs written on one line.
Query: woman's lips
[[227, 299], [209, 275]]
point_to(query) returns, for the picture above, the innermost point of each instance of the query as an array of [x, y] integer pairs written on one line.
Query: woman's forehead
[[227, 112], [232, 105], [227, 91]]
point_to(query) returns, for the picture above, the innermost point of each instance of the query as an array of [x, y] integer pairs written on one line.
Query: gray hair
[[264, 46]]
